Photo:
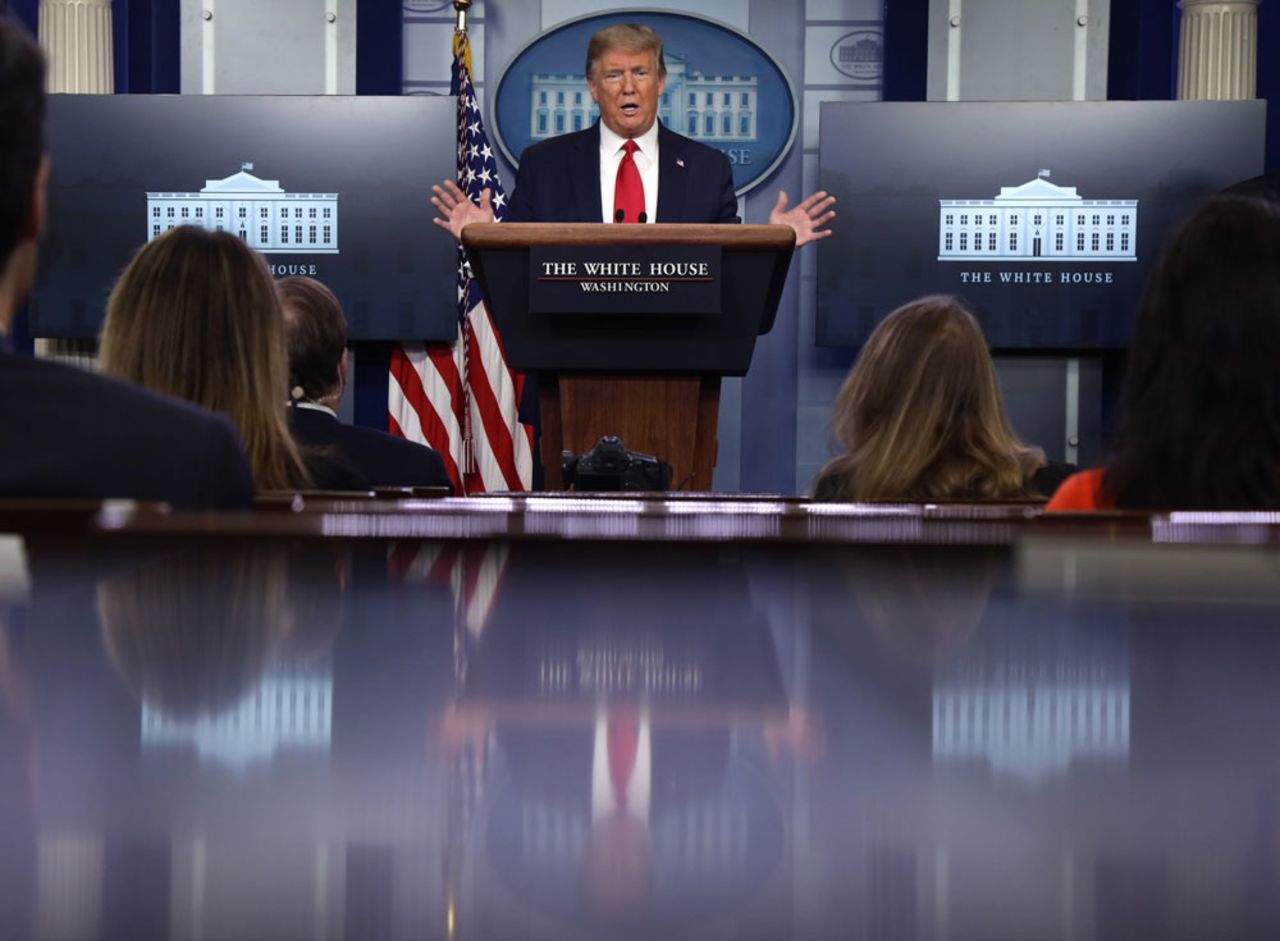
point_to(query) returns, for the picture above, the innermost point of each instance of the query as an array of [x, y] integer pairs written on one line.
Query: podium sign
[[619, 279]]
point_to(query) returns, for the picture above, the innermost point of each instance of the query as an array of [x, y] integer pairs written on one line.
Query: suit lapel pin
[[679, 161]]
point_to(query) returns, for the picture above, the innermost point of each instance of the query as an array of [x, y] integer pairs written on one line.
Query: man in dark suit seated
[[65, 432], [317, 337], [627, 167]]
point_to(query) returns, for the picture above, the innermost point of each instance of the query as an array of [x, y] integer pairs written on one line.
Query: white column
[[76, 36], [1218, 53]]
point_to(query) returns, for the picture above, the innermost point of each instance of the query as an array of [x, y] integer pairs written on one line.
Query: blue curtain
[[379, 71], [146, 45]]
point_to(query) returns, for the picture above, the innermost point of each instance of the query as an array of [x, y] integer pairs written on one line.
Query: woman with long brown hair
[[921, 418], [195, 315], [1199, 411]]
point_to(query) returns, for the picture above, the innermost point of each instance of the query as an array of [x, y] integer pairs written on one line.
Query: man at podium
[[627, 167]]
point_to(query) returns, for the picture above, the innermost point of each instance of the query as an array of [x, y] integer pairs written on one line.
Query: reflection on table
[[543, 738]]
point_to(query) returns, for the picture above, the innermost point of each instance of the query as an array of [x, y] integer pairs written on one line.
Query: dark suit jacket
[[559, 181], [382, 459], [71, 434]]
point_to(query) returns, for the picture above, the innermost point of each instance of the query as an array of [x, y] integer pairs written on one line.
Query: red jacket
[[1080, 492]]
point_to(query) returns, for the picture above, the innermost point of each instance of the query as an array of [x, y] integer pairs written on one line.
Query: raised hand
[[806, 218], [456, 211]]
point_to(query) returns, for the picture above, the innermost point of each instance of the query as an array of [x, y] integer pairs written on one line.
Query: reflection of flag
[[460, 397], [472, 573]]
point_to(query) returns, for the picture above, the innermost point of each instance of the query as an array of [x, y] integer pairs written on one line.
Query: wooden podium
[[651, 377]]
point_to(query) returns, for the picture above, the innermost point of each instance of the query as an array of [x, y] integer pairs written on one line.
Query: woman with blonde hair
[[921, 418], [195, 315]]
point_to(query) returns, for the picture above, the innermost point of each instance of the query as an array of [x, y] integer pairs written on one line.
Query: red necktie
[[623, 740], [628, 191]]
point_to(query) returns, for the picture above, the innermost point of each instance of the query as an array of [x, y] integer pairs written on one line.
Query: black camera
[[610, 466]]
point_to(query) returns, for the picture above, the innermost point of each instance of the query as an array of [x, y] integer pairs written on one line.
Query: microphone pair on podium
[[620, 215]]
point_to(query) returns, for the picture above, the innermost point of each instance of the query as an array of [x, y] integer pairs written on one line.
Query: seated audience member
[[316, 331], [921, 417], [1265, 187], [195, 314], [1199, 412], [65, 432]]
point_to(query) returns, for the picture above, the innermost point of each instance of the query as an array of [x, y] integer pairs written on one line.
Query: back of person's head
[[22, 105], [194, 631], [1265, 187], [921, 417], [633, 38], [316, 333], [195, 315], [1199, 424]]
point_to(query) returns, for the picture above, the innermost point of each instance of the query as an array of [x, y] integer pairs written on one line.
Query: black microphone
[[644, 217], [619, 215]]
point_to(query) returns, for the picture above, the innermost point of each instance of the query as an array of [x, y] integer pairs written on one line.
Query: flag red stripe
[[400, 561], [441, 356], [480, 417], [517, 382], [441, 571], [433, 429], [393, 427], [495, 429], [441, 359]]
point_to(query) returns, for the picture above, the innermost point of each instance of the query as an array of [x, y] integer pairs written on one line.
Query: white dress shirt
[[314, 406], [646, 157]]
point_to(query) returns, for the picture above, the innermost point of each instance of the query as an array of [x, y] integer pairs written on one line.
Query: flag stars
[[476, 169]]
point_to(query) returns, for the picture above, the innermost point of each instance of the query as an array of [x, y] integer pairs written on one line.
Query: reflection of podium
[[651, 377]]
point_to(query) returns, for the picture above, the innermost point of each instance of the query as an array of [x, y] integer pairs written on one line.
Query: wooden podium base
[[669, 415]]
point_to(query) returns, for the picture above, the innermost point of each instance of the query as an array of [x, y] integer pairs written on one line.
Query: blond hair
[[193, 632], [920, 415], [634, 38], [195, 315]]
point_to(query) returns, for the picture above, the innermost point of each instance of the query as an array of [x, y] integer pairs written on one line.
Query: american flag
[[460, 398], [471, 573]]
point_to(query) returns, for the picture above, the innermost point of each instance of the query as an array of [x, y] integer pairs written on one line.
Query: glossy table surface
[[281, 727]]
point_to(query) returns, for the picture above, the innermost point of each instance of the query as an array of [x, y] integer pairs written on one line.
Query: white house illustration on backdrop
[[1030, 724], [704, 107], [288, 710], [1037, 221], [258, 211]]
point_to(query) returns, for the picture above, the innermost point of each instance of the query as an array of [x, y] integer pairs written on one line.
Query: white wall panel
[[286, 47], [844, 9], [821, 46], [811, 106], [733, 12], [1019, 50], [809, 260], [428, 52], [440, 9]]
